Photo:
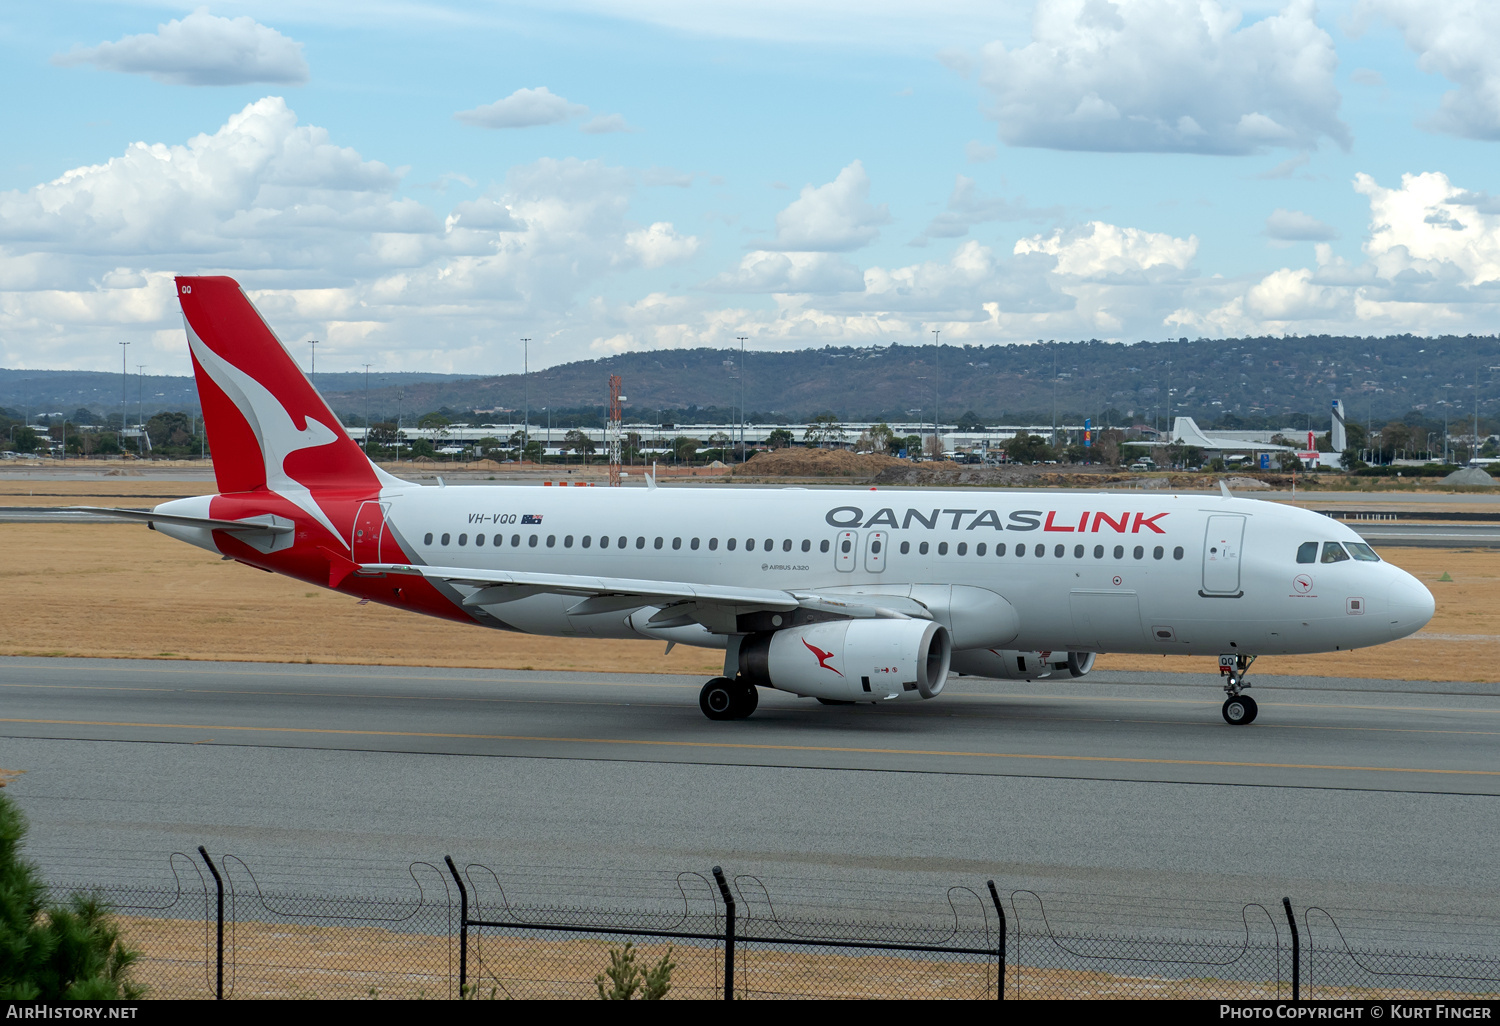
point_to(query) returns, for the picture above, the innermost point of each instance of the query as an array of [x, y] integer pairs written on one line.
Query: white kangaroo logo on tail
[[276, 433]]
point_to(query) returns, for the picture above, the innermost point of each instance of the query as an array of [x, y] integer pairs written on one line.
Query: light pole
[[124, 393], [937, 444], [742, 396], [526, 377], [140, 416], [367, 411]]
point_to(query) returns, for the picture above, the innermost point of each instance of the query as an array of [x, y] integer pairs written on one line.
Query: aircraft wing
[[681, 602]]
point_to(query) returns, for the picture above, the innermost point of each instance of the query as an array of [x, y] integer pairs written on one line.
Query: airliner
[[845, 596]]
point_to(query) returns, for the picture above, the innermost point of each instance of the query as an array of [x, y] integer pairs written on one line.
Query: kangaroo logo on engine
[[821, 656]]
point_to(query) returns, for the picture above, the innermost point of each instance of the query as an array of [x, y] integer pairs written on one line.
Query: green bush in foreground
[[623, 978], [63, 952]]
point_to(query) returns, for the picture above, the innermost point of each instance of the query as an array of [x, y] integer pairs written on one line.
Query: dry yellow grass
[[122, 591]]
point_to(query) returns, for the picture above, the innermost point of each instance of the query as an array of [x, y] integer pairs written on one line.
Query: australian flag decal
[[531, 518]]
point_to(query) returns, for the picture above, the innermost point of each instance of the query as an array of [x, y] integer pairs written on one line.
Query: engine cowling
[[852, 660], [1006, 664]]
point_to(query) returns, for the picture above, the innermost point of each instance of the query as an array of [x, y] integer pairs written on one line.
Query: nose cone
[[1411, 605]]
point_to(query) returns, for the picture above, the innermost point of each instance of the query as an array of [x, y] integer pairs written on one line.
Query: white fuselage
[[1110, 572]]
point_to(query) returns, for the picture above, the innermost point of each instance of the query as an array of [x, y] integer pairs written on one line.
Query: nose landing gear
[[1239, 709], [725, 699]]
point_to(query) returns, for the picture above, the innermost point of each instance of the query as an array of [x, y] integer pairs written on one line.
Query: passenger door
[[369, 525], [1221, 556], [875, 546]]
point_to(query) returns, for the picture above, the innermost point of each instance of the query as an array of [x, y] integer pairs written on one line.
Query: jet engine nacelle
[[1006, 664], [852, 660]]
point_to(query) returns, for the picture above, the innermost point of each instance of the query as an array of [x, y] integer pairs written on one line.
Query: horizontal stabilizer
[[146, 516]]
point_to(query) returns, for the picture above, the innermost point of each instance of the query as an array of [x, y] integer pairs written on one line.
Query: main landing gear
[[725, 699], [1239, 709]]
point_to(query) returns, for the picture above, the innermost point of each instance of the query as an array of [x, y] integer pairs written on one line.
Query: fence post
[[728, 933], [999, 910], [463, 926], [1291, 921], [219, 956]]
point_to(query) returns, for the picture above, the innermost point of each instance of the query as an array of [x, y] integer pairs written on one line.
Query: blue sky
[[421, 184]]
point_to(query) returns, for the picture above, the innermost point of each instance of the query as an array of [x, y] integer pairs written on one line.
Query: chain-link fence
[[711, 936]]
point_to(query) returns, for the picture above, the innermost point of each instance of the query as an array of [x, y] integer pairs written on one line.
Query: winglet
[[651, 478], [1224, 487]]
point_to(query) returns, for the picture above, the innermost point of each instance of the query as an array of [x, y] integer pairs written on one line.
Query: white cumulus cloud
[[1178, 76], [831, 218], [764, 271], [524, 108], [1104, 252], [1458, 39], [1296, 226], [660, 244], [201, 49], [1429, 227]]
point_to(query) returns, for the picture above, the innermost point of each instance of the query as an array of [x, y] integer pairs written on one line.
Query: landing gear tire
[[1240, 710], [725, 699]]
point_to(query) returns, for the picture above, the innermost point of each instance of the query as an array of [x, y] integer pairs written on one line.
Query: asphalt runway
[[1378, 796]]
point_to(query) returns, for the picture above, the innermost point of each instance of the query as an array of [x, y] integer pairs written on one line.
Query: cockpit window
[[1307, 552], [1362, 552], [1333, 552]]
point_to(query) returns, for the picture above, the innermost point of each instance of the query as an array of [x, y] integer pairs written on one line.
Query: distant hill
[[1272, 379]]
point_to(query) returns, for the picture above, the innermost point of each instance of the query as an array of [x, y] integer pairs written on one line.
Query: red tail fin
[[267, 425]]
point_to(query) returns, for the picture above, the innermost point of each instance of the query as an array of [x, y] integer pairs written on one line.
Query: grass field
[[123, 591]]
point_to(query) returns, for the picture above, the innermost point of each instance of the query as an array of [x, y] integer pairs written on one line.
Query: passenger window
[[604, 541], [823, 546], [963, 548], [1058, 551], [1041, 550], [1139, 552], [981, 549], [875, 547], [693, 544], [587, 541], [567, 541], [640, 543], [463, 539], [1333, 552], [1077, 551], [1362, 552], [498, 540], [770, 544], [942, 548], [445, 539], [1177, 552], [551, 540], [1158, 552], [750, 545], [620, 541], [428, 539], [1020, 551], [532, 541], [806, 545], [515, 541], [922, 549], [479, 539], [843, 546], [676, 543], [713, 545], [1307, 552], [658, 543], [1119, 552], [905, 548], [1098, 551], [731, 543], [786, 546], [1000, 549]]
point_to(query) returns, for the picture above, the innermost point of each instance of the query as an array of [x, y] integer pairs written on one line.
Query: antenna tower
[[612, 431]]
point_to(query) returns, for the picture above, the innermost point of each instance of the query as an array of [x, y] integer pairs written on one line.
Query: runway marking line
[[763, 747], [627, 684]]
